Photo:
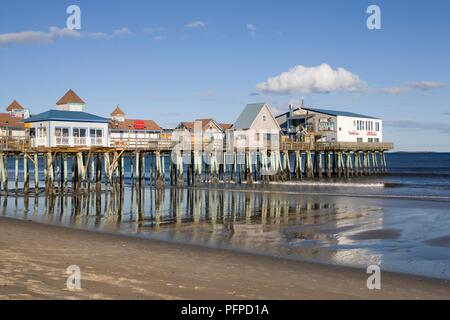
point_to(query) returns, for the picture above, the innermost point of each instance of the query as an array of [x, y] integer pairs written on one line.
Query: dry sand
[[34, 258]]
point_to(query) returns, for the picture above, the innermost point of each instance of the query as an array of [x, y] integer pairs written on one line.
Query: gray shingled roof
[[246, 118], [338, 113]]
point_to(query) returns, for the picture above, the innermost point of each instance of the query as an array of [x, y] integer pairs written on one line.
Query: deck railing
[[18, 144], [12, 144]]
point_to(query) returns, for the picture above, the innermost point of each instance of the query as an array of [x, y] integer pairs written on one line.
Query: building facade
[[331, 125], [132, 132], [255, 126], [68, 126], [11, 122]]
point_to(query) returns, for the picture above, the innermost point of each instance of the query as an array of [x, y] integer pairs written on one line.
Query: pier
[[148, 162]]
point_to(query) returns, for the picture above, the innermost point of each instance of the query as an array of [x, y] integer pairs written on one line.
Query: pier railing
[[14, 144], [165, 145], [143, 143]]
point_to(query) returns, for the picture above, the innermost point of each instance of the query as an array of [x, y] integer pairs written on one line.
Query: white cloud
[[121, 32], [196, 24], [38, 36], [55, 33], [421, 85], [159, 38], [318, 79], [251, 28], [154, 30], [325, 79]]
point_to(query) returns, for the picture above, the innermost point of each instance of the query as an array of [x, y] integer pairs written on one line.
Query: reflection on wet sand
[[401, 235], [272, 223]]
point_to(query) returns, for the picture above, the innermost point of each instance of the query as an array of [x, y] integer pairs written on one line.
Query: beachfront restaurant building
[[132, 132], [331, 125], [67, 126]]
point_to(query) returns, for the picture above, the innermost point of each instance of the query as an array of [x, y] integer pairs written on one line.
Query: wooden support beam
[[26, 176], [329, 171], [319, 164], [36, 173]]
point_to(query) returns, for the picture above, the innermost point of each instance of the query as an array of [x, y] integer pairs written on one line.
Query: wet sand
[[34, 258]]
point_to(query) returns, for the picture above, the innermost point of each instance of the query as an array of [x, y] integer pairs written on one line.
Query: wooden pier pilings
[[106, 169]]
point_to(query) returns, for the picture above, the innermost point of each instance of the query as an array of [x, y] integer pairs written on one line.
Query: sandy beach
[[34, 258]]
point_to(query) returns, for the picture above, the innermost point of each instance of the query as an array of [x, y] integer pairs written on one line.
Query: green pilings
[[298, 165], [16, 171], [26, 176], [319, 164], [248, 168], [160, 179], [4, 172], [357, 163], [286, 166], [36, 173], [339, 163], [366, 163], [309, 165], [329, 168]]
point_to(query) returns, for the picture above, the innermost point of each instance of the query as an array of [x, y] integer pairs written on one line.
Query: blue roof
[[339, 113], [246, 118], [60, 115]]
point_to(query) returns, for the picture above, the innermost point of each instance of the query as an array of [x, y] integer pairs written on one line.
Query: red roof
[[7, 120], [14, 106], [135, 124], [70, 97], [117, 112]]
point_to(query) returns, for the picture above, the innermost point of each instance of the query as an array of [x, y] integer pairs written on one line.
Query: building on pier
[[67, 126], [210, 130], [11, 122], [132, 132], [330, 125], [255, 125]]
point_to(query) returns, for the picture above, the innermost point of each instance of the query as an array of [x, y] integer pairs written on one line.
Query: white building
[[132, 132], [255, 126], [68, 126], [332, 125]]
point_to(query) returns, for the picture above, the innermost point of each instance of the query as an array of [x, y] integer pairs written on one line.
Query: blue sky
[[175, 61]]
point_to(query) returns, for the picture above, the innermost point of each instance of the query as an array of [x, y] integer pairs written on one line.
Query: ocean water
[[400, 221]]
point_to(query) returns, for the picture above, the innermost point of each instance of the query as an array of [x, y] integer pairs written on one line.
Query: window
[[376, 139], [377, 126], [96, 136], [359, 139], [264, 117], [62, 136], [362, 125], [42, 132], [370, 139], [79, 136]]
